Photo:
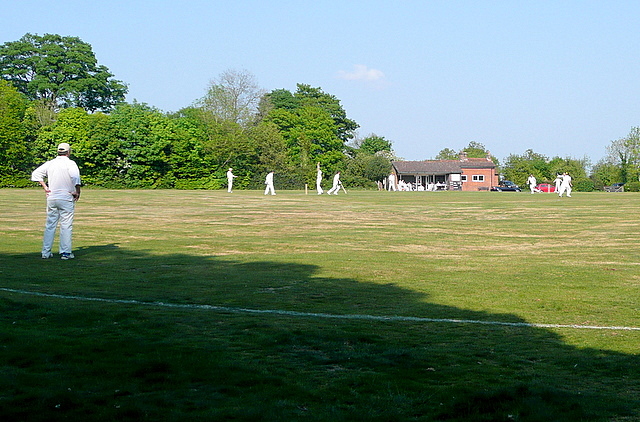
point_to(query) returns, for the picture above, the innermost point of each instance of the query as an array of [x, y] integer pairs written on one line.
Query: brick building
[[467, 174]]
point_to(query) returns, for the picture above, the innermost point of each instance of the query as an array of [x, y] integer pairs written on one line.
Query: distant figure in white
[[336, 184], [392, 183], [230, 177], [269, 182], [319, 180], [558, 181], [566, 185], [531, 181]]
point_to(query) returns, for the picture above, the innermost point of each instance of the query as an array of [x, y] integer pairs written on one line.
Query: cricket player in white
[[566, 185], [230, 177], [269, 182], [336, 184], [319, 180], [63, 189], [531, 181], [558, 181], [392, 182]]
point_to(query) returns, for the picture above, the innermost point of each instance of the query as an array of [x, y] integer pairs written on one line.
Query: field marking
[[313, 314]]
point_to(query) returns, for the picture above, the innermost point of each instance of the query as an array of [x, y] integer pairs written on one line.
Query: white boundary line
[[313, 314]]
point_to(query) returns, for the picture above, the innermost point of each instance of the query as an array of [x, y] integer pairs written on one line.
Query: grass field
[[217, 306]]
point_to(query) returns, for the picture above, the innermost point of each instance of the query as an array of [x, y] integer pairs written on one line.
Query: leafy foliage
[[518, 167], [60, 71], [14, 139]]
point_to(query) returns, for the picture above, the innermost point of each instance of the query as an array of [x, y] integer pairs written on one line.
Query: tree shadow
[[135, 357]]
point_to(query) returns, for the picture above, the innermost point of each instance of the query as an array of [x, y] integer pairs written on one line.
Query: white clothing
[[565, 186], [62, 211], [392, 182], [269, 182], [319, 182], [558, 181], [230, 177], [531, 181], [62, 176], [336, 185]]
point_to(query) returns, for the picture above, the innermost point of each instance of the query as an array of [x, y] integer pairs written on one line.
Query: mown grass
[[471, 256]]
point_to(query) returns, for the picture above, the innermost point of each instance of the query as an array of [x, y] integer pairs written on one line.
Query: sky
[[561, 78]]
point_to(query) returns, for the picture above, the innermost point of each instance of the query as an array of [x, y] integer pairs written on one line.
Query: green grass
[[485, 256]]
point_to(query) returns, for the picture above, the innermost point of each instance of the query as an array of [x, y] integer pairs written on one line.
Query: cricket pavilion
[[466, 174]]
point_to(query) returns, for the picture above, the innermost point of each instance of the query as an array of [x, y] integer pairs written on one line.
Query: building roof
[[441, 166], [477, 163], [428, 167]]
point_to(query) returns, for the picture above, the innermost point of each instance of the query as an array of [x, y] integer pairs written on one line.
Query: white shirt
[[62, 177]]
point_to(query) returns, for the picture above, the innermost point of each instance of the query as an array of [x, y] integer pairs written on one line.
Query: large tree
[[14, 151], [60, 72], [234, 96], [624, 153]]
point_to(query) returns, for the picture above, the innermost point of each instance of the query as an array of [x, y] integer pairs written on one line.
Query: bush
[[19, 181], [584, 185], [632, 187], [203, 183]]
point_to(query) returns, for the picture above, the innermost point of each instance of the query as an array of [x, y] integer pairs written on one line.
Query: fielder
[[319, 180], [230, 177], [566, 185], [63, 191], [269, 182], [532, 182]]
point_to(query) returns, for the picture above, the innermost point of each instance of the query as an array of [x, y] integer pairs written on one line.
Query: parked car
[[506, 186], [545, 187], [616, 187]]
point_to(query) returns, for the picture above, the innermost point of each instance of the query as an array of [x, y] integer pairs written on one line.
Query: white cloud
[[361, 72]]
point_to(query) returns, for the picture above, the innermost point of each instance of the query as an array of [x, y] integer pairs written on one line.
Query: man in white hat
[[63, 189], [230, 177]]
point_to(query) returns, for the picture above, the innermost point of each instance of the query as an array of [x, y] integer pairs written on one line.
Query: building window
[[478, 177], [464, 178]]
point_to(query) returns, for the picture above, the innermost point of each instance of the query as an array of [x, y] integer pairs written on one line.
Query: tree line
[[53, 90]]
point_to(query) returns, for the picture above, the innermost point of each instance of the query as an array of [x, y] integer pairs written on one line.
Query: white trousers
[[319, 188], [58, 210], [268, 189], [564, 188], [334, 189]]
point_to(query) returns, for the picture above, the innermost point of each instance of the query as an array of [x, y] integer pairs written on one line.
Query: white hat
[[64, 147]]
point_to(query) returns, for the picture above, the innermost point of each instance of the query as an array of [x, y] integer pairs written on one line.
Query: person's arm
[[76, 194], [44, 186], [39, 174]]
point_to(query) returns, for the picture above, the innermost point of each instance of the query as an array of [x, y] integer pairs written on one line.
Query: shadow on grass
[[68, 359]]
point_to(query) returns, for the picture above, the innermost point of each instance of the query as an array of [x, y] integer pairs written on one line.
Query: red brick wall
[[490, 179]]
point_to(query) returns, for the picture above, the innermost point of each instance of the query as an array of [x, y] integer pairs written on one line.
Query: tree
[[309, 96], [60, 72], [234, 97], [374, 143], [14, 150], [447, 154], [518, 167], [625, 154]]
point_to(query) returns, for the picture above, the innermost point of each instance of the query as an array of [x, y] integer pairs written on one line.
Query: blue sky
[[559, 77]]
